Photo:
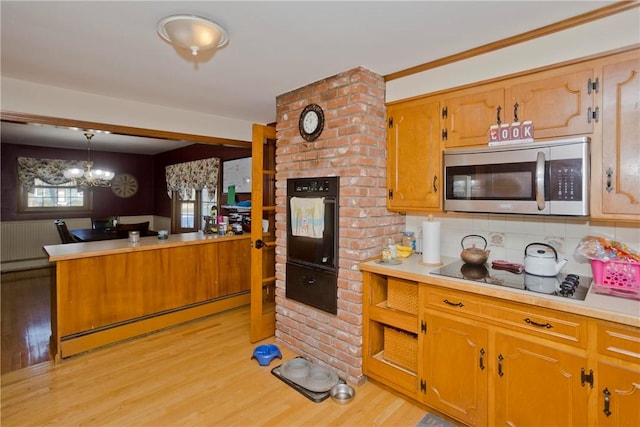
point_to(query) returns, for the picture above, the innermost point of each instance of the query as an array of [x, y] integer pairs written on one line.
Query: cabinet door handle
[[435, 180], [541, 161], [609, 172], [482, 359], [455, 304], [541, 325], [607, 401], [500, 359], [498, 110], [515, 112]]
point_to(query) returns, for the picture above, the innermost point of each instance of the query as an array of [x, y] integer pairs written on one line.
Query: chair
[[65, 234], [122, 230], [100, 223]]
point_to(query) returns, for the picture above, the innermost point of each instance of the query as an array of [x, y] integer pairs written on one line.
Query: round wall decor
[[124, 185]]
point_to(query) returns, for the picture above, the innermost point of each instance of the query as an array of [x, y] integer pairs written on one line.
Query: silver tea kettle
[[543, 260]]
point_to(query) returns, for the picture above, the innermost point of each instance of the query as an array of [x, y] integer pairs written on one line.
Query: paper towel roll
[[431, 243]]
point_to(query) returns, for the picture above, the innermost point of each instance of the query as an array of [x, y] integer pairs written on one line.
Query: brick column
[[352, 146]]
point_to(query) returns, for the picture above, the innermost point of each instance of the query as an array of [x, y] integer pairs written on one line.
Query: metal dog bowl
[[342, 393]]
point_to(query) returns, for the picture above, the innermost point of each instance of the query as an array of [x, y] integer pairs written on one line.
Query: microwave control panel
[[565, 179]]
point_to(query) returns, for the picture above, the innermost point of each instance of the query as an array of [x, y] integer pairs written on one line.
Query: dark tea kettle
[[473, 255]]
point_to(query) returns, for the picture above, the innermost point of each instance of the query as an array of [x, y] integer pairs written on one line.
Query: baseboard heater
[[81, 342]]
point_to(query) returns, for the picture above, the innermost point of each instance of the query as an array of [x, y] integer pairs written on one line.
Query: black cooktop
[[569, 285]]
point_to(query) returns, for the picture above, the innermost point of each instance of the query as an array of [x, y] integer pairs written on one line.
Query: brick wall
[[352, 146]]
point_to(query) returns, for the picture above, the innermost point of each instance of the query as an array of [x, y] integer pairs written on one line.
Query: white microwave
[[538, 178]]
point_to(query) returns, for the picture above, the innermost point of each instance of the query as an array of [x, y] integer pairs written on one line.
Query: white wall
[[26, 97], [622, 29]]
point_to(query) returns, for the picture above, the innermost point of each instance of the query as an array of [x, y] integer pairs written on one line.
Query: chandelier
[[89, 177]]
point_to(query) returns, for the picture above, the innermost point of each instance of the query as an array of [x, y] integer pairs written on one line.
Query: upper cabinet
[[467, 115], [558, 102], [615, 177], [599, 98], [414, 156]]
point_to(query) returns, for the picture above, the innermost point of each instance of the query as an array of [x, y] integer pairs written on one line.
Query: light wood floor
[[199, 373]]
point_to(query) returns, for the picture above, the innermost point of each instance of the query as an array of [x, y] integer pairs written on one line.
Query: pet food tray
[[314, 396]]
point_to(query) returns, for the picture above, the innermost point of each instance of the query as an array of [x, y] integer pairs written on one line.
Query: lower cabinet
[[485, 361], [538, 384], [619, 394], [454, 370], [618, 379]]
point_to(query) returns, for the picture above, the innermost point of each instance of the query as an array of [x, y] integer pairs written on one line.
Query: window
[[188, 214], [45, 197], [190, 205]]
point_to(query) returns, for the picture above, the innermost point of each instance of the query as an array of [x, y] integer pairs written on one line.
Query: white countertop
[[605, 307], [115, 246]]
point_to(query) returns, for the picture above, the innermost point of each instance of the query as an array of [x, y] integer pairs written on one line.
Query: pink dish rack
[[616, 278]]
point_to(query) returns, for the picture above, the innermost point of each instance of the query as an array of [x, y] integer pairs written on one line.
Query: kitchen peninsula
[[112, 290]]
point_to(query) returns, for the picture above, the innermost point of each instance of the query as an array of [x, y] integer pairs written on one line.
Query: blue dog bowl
[[265, 353]]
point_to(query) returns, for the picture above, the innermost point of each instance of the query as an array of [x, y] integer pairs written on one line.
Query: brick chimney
[[352, 146]]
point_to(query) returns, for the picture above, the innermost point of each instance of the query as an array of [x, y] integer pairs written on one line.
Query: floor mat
[[431, 420]]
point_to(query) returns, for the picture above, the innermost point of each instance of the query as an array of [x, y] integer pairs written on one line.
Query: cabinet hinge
[[593, 114], [423, 327], [444, 134], [390, 122], [586, 378], [390, 194], [593, 85], [445, 112], [423, 386]]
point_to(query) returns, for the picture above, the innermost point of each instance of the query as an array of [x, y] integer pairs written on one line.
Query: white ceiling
[[112, 48]]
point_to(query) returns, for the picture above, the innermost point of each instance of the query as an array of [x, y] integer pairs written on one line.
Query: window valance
[[198, 174], [50, 171]]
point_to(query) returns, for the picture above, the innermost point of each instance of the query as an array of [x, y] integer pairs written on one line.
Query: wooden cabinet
[[618, 375], [414, 175], [467, 115], [454, 370], [389, 333], [619, 395], [487, 362], [615, 179], [559, 102], [538, 384]]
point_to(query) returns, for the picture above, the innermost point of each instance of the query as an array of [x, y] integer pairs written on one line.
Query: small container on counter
[[222, 228], [134, 237], [409, 239], [389, 251], [163, 234]]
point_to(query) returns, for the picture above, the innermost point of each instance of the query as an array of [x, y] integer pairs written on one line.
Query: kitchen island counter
[[604, 307], [113, 290]]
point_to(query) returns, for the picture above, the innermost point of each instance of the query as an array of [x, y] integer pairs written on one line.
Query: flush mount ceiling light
[[192, 32]]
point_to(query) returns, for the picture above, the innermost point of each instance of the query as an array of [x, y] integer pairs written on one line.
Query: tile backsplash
[[508, 235]]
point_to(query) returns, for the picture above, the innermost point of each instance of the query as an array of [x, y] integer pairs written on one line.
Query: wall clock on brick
[[311, 122], [124, 185]]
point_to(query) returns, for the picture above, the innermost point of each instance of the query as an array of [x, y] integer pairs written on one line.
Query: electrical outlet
[[556, 242]]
